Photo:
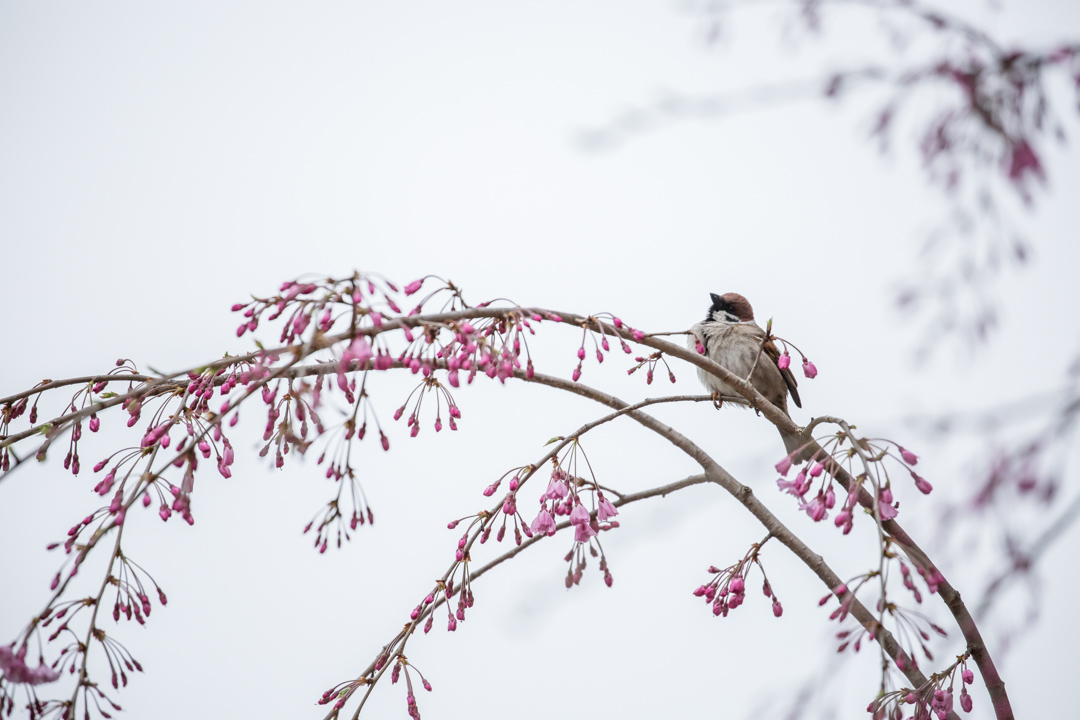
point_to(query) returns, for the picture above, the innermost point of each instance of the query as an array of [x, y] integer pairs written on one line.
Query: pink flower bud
[[784, 361], [909, 457], [924, 487], [777, 609], [581, 353], [412, 287], [809, 369], [967, 676]]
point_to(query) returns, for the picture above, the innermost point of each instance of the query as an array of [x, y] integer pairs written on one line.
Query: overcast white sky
[[158, 163]]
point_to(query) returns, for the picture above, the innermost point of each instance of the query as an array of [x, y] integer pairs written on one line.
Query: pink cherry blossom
[[887, 512], [606, 509], [556, 489], [784, 465], [788, 486], [815, 509], [360, 350], [544, 523], [583, 532], [16, 670], [579, 515]]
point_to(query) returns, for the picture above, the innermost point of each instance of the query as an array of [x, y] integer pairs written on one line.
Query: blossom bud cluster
[[650, 362], [819, 504], [839, 452], [602, 346], [727, 588], [935, 700], [563, 497]]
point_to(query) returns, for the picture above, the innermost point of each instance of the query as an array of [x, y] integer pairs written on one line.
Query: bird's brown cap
[[733, 303]]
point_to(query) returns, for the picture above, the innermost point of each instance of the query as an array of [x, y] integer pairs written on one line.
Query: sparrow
[[733, 340]]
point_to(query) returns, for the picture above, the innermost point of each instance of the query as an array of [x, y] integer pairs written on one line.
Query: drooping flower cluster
[[403, 665], [571, 496], [841, 452], [912, 628], [593, 326], [650, 362], [934, 700], [727, 588]]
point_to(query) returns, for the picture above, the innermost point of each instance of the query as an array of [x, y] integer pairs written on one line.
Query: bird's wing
[[789, 378]]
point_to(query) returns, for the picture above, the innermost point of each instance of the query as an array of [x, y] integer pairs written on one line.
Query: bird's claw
[[717, 400]]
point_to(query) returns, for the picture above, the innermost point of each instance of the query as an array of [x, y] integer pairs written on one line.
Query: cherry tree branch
[[713, 471], [745, 496]]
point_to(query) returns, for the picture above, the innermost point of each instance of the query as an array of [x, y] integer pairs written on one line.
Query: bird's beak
[[715, 298]]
